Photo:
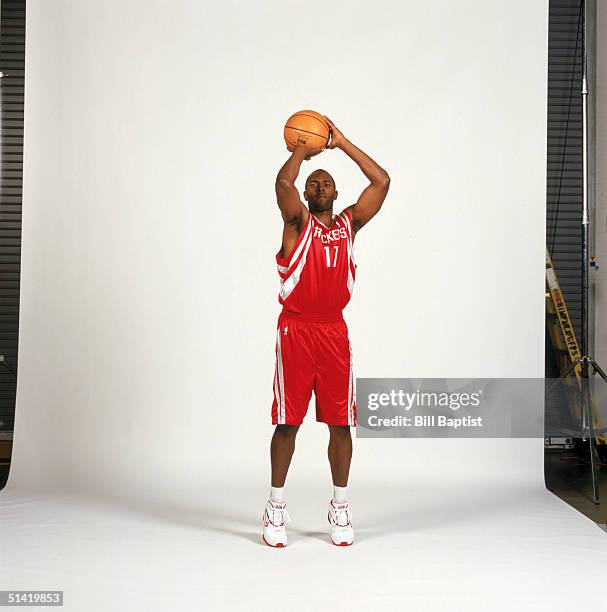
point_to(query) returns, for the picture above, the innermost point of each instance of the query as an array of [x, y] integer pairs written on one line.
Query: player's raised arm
[[291, 207], [373, 196]]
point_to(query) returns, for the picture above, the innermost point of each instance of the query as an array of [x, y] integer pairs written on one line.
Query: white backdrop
[[149, 290]]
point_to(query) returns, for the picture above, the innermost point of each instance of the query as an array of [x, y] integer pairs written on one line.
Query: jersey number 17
[[331, 264]]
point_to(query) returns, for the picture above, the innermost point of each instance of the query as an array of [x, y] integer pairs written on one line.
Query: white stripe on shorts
[[351, 391], [281, 383]]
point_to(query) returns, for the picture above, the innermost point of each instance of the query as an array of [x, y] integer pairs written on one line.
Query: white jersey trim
[[300, 246], [288, 284], [319, 221], [346, 221]]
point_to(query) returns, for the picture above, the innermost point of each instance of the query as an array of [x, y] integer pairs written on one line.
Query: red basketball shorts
[[313, 356]]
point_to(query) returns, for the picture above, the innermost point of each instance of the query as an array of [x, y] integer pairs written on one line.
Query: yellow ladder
[[562, 337]]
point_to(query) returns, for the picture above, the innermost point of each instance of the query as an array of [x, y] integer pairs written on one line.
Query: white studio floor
[[422, 549]]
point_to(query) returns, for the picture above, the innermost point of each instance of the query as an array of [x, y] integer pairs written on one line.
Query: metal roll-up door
[[12, 66], [564, 153]]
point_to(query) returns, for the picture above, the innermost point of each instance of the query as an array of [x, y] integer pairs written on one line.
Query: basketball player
[[317, 270]]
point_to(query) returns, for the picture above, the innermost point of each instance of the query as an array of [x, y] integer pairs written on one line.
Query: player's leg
[[293, 383], [281, 451], [340, 454], [275, 514], [336, 406]]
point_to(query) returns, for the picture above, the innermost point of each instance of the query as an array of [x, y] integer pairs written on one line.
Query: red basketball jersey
[[318, 276]]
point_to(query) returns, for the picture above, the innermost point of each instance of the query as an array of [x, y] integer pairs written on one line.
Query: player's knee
[[287, 431], [339, 431]]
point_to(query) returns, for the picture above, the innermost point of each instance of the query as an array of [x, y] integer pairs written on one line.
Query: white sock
[[340, 494], [277, 494]]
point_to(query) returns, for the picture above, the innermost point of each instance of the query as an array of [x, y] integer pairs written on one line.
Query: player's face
[[320, 192]]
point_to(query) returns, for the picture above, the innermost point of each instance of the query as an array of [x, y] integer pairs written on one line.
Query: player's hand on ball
[[311, 151], [337, 138]]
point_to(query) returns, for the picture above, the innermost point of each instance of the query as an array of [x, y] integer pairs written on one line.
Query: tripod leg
[[597, 368], [587, 411]]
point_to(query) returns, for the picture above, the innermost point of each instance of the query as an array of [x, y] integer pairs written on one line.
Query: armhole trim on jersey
[[284, 263], [347, 217]]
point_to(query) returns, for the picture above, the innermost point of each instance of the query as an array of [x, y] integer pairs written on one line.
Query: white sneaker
[[340, 517], [274, 518]]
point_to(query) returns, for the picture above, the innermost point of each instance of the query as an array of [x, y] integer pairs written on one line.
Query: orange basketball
[[306, 127]]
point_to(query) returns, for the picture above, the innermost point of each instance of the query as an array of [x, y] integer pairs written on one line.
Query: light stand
[[585, 360]]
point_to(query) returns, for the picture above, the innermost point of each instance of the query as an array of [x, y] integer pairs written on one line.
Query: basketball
[[306, 127]]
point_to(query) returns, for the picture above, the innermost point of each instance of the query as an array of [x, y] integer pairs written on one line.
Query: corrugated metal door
[[564, 176], [12, 65]]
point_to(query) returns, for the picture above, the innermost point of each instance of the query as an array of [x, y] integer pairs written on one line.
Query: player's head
[[320, 191]]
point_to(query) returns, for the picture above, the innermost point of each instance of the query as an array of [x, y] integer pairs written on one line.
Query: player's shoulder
[[347, 215], [347, 211]]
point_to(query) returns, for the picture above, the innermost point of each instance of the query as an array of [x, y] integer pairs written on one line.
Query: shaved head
[[319, 174]]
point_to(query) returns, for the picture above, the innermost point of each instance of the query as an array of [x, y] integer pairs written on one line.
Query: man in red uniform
[[317, 271]]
